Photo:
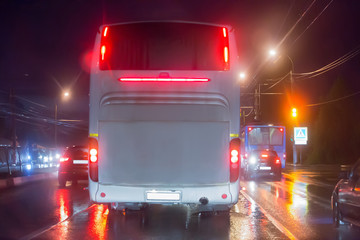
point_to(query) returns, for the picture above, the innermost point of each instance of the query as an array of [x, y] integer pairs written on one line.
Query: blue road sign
[[300, 135]]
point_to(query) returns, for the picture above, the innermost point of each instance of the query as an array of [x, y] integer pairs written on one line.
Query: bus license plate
[[163, 196]]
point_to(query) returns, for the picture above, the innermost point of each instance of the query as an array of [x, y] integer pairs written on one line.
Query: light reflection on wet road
[[300, 202], [298, 206]]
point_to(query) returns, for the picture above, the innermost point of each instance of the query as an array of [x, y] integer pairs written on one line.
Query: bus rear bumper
[[206, 197]]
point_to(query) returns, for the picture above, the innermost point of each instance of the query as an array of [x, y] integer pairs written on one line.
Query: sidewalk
[[18, 178]]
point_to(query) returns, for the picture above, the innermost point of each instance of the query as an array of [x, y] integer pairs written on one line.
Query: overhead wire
[[331, 101], [296, 23], [313, 21], [260, 66], [354, 52]]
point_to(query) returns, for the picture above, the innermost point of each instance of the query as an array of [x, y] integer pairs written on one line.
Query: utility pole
[[257, 103], [13, 129], [293, 131], [55, 126]]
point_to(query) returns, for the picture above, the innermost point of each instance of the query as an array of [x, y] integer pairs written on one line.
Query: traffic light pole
[[294, 123]]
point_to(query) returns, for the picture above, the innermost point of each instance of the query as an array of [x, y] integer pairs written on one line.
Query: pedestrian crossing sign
[[300, 135]]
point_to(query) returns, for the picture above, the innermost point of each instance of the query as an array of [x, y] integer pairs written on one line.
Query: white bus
[[164, 116]]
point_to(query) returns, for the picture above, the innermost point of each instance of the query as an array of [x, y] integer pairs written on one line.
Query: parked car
[[345, 200], [262, 162], [73, 165]]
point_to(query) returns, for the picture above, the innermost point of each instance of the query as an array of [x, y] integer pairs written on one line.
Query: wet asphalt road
[[296, 207]]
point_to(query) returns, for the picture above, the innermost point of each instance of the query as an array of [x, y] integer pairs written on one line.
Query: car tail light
[[234, 159], [93, 159], [264, 155], [64, 159], [277, 161]]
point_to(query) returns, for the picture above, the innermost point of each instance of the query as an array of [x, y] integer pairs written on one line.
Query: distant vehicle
[[73, 165], [262, 163], [345, 199], [263, 137], [164, 116]]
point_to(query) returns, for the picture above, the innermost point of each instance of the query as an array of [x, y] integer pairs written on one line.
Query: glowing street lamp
[[242, 75], [272, 53]]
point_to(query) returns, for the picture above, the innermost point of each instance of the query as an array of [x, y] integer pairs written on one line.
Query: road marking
[[45, 229], [276, 223]]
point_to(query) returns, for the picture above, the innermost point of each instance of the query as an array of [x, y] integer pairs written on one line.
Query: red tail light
[[64, 159], [103, 45], [264, 155], [277, 161], [226, 54], [103, 50], [93, 155], [234, 156], [226, 49], [234, 159], [93, 159], [105, 31]]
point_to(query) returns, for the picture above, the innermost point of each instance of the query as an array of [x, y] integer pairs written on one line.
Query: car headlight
[[252, 160], [28, 166]]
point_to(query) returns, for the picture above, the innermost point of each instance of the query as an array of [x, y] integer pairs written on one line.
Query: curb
[[16, 181]]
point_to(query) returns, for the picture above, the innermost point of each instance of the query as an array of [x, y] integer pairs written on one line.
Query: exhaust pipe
[[204, 200]]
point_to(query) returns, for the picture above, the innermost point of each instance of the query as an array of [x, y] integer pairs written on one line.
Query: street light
[[242, 75], [272, 53]]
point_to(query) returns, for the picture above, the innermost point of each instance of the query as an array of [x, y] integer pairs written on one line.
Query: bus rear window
[[164, 46], [265, 136]]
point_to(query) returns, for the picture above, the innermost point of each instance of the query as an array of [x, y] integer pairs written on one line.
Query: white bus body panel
[[164, 137]]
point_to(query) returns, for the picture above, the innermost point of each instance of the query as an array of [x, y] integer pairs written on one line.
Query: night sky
[[48, 41]]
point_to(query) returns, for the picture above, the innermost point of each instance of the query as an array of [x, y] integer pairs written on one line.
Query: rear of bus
[[164, 116]]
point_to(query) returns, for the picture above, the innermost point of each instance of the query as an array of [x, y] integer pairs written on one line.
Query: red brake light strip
[[105, 31], [150, 79]]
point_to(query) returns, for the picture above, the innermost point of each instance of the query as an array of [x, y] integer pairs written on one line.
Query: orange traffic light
[[294, 112]]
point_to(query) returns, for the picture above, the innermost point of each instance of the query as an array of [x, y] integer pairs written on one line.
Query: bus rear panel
[[164, 104]]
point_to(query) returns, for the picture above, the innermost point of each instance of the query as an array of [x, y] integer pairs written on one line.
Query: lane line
[[276, 223], [45, 229]]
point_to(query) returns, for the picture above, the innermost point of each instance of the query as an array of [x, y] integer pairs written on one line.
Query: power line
[[330, 66], [296, 23], [313, 21], [334, 100]]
